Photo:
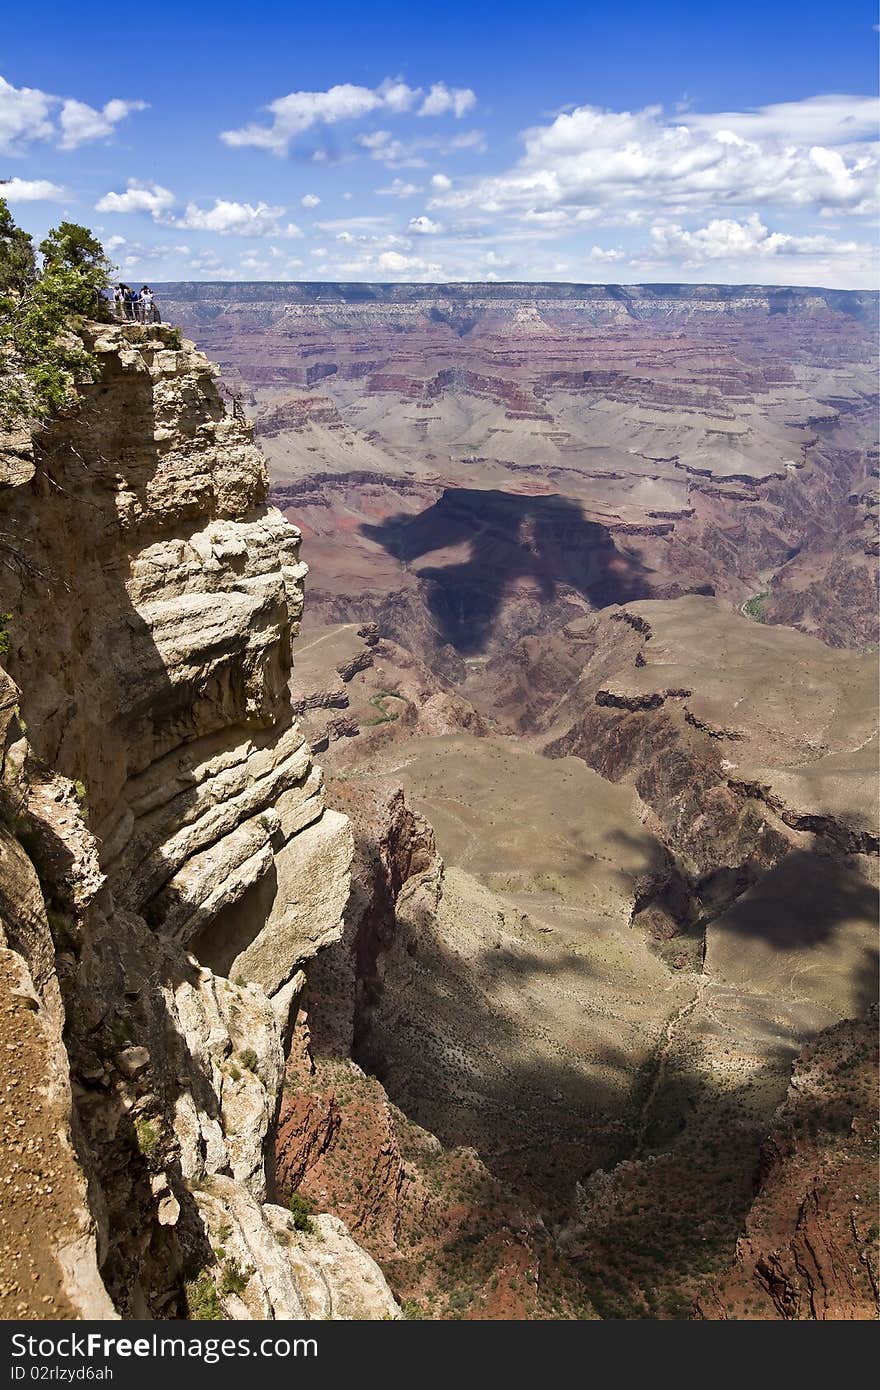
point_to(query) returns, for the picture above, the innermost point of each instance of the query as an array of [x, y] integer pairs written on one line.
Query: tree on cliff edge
[[18, 266], [42, 354]]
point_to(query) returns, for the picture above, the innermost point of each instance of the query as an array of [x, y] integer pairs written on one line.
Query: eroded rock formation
[[168, 862], [810, 1242]]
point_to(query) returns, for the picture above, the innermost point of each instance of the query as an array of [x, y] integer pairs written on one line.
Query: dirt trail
[[672, 1025]]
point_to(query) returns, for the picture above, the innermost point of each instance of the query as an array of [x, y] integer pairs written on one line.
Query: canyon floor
[[593, 583]]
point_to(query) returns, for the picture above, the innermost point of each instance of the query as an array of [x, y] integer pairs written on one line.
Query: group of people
[[138, 305]]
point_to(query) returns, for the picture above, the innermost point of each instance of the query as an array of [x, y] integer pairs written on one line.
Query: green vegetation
[[202, 1299], [223, 1235], [378, 702], [249, 1059], [42, 312], [5, 620], [300, 1209], [18, 264], [147, 1135], [204, 1291], [234, 1277], [756, 607]]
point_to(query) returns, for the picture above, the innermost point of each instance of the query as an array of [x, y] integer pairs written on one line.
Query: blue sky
[[616, 142]]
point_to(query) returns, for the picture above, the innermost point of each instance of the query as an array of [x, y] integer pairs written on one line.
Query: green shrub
[[120, 1032], [756, 607], [147, 1135], [202, 1299], [234, 1277], [5, 620], [249, 1059], [385, 716], [300, 1209]]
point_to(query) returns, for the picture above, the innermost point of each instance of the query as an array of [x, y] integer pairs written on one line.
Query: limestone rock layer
[[166, 859]]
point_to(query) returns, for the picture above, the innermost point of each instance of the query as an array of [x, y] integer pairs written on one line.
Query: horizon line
[[571, 284]]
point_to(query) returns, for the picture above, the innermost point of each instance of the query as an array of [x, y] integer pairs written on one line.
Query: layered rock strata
[[472, 463], [168, 860], [809, 1249]]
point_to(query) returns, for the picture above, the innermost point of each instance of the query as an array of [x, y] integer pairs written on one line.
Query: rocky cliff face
[[809, 1250], [168, 862]]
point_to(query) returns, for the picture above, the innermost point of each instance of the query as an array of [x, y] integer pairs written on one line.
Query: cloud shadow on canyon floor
[[544, 546]]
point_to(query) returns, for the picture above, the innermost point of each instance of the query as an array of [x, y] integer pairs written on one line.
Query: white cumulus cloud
[[423, 226], [725, 238], [396, 154], [395, 262], [398, 188], [299, 111], [31, 191], [138, 197], [442, 100], [820, 152], [294, 114], [25, 116], [229, 218], [132, 254], [81, 123], [548, 217], [28, 115]]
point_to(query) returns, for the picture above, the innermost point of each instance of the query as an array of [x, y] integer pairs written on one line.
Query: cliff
[[809, 1249], [167, 862], [603, 301]]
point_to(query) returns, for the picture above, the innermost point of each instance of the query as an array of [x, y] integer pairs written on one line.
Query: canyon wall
[[168, 862], [808, 1251], [471, 463]]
